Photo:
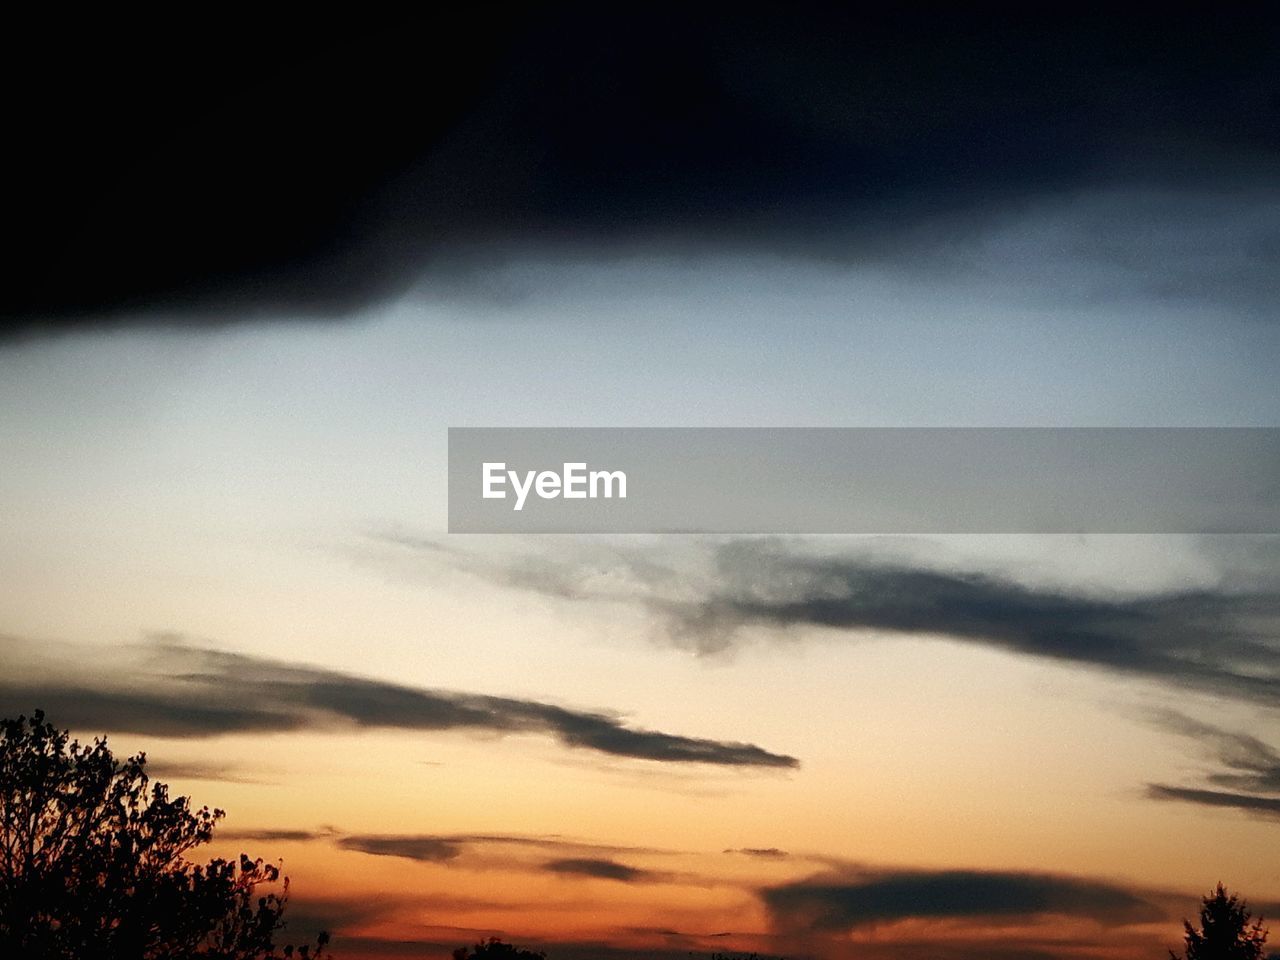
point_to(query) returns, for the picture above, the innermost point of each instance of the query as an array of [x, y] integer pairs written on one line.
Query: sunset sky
[[257, 276]]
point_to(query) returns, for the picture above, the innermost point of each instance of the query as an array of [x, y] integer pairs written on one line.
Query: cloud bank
[[835, 905]]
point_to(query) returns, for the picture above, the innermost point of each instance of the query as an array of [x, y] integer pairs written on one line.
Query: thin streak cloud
[[183, 690], [1250, 803], [597, 869]]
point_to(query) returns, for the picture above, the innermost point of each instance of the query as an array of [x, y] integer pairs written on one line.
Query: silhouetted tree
[[93, 863], [1225, 931], [496, 949]]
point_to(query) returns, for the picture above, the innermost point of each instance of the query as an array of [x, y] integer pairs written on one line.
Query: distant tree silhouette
[[1225, 931], [497, 949], [93, 863]]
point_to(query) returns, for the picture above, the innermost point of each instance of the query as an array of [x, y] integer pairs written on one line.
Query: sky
[[256, 274]]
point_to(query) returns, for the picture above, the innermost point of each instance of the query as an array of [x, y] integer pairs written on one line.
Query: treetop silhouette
[[496, 948], [93, 862], [1226, 932]]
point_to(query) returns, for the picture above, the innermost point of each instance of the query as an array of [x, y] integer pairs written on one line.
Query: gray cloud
[[599, 869], [425, 849], [1252, 774], [438, 848], [185, 690], [1199, 638], [842, 904], [159, 708], [766, 853], [1252, 765], [573, 858], [1212, 640], [1250, 803]]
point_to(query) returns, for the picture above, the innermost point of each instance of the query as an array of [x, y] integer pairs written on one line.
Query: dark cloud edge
[[763, 124]]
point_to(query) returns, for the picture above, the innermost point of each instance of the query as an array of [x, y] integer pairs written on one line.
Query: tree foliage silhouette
[[496, 949], [1225, 931], [93, 862]]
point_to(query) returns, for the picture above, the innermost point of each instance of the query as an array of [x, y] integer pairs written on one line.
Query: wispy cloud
[[572, 858], [708, 598], [1252, 765], [1251, 775], [421, 848], [442, 848], [1250, 803], [599, 869], [170, 688]]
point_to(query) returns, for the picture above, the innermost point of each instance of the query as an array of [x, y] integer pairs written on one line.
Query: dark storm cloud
[[228, 174], [189, 691], [1214, 640], [834, 904], [599, 870]]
